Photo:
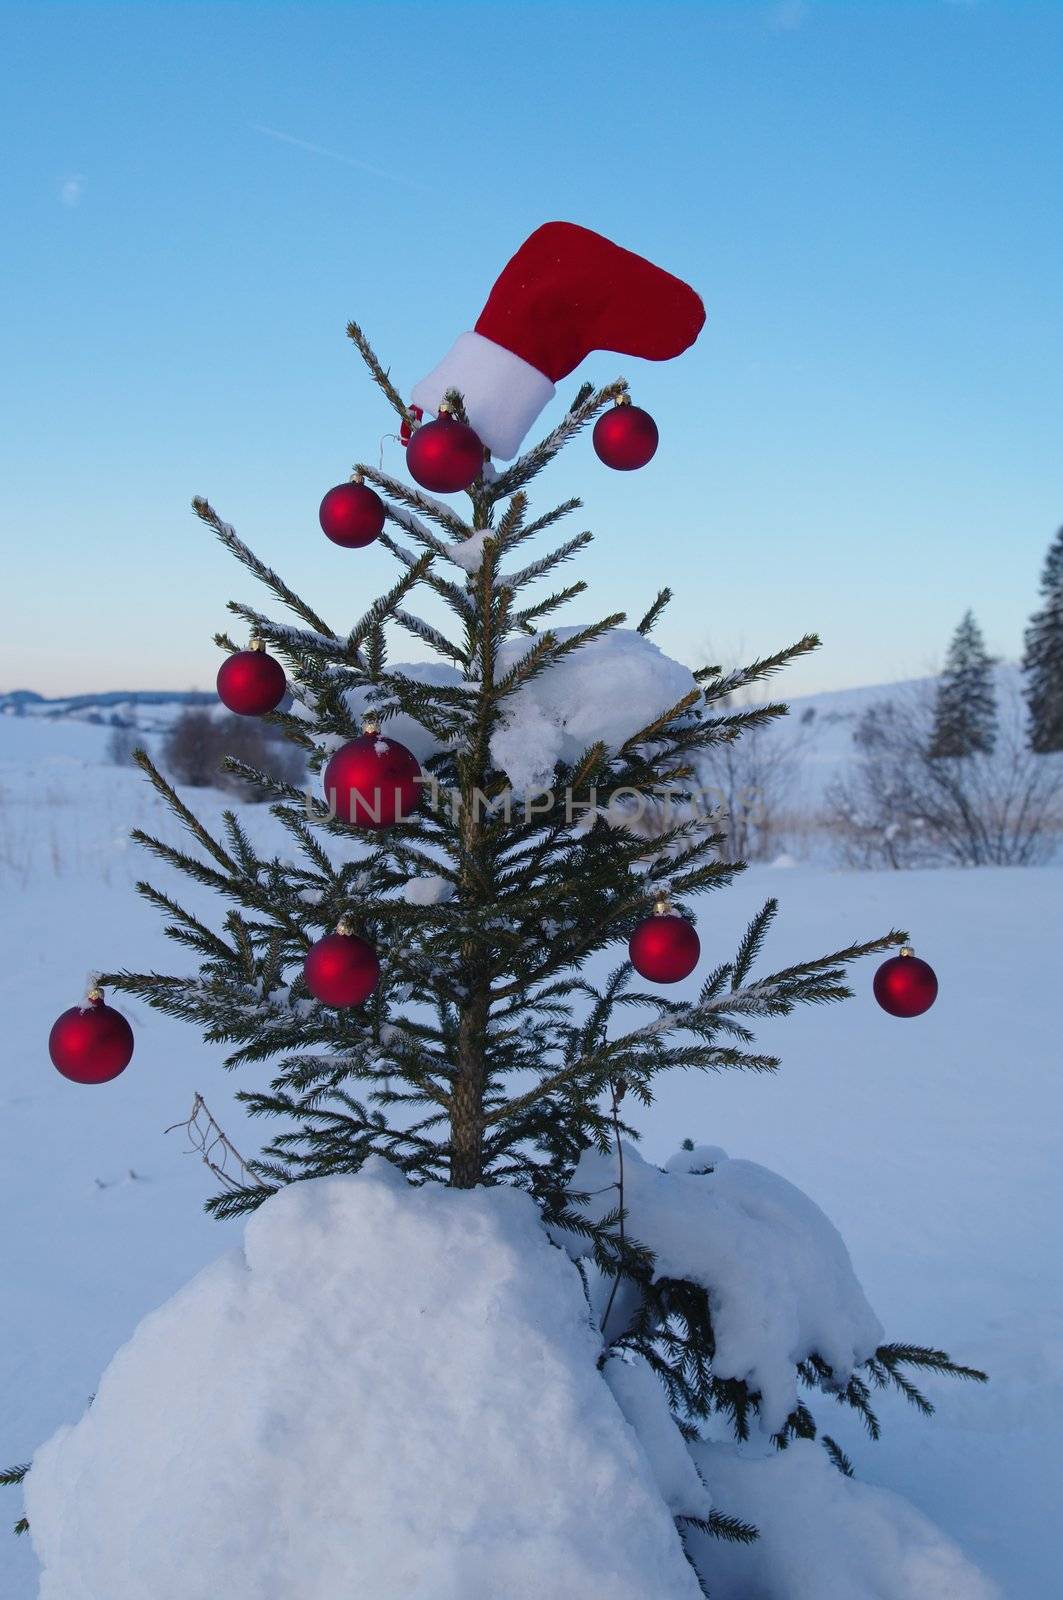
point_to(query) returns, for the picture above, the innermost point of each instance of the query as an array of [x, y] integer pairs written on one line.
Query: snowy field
[[932, 1143]]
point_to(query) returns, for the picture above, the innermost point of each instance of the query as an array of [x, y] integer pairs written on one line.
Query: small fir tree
[[965, 713], [486, 1055], [1042, 662]]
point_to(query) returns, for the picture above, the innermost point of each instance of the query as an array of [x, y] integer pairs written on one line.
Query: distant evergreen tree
[[965, 713], [1042, 662]]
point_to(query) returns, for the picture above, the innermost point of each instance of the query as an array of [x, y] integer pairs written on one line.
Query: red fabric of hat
[[566, 292]]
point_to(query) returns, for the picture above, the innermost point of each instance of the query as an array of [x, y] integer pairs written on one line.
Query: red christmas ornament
[[905, 986], [92, 1042], [351, 515], [373, 782], [625, 437], [341, 969], [444, 455], [664, 948], [251, 682]]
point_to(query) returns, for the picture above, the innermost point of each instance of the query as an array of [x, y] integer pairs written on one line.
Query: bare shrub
[[903, 806], [753, 782], [197, 744], [121, 744]]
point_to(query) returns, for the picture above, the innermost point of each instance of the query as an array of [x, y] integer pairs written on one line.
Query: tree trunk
[[467, 1099], [466, 1112]]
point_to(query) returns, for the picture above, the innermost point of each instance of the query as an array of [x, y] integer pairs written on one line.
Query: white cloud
[[70, 191]]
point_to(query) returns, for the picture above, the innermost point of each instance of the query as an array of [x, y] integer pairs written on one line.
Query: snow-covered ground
[[932, 1143]]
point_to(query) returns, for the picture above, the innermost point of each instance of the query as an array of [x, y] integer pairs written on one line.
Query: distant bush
[[904, 805], [195, 747], [121, 744]]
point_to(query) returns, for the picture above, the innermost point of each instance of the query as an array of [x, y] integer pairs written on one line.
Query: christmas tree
[[965, 710], [478, 830], [1043, 659]]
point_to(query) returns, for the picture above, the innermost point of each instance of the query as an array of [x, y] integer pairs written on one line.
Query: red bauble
[[251, 683], [341, 969], [625, 437], [905, 986], [351, 515], [445, 455], [664, 948], [91, 1043], [372, 782]]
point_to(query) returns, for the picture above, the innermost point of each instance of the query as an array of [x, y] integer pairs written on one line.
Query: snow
[[427, 890], [832, 1537], [638, 1392], [469, 553], [780, 1282], [609, 689], [303, 1421], [933, 1145], [402, 728]]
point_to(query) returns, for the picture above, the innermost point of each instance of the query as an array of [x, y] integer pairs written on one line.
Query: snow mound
[[823, 1536], [607, 689], [303, 1421], [780, 1281], [640, 1395]]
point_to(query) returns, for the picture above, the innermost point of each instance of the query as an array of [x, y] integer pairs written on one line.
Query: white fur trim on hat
[[503, 393]]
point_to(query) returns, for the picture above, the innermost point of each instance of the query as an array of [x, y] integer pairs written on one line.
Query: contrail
[[334, 155]]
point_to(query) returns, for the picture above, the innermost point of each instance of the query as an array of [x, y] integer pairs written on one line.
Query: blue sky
[[864, 441]]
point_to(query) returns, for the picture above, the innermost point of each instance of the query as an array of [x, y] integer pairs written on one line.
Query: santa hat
[[566, 292]]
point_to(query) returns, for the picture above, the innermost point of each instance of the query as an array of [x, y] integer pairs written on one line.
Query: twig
[[206, 1137]]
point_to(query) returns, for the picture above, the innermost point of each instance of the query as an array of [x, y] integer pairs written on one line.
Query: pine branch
[[432, 636], [388, 604], [654, 729], [750, 947], [538, 569], [720, 1525], [228, 536], [649, 620], [526, 619], [456, 598], [540, 524], [837, 1455], [418, 501], [209, 941], [719, 685], [533, 461], [181, 811], [381, 378]]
